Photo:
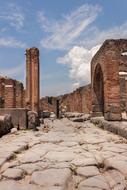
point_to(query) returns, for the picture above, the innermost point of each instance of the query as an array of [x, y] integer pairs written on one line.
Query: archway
[[98, 86]]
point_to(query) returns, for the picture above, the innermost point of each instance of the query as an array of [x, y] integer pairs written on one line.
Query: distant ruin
[[77, 101]]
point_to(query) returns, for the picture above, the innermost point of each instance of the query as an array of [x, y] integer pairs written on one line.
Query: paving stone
[[114, 149], [50, 161], [4, 167], [115, 179], [13, 185], [68, 144], [84, 162], [2, 161], [60, 165], [30, 168], [96, 182], [88, 171], [32, 155], [60, 156], [12, 173], [118, 164], [51, 177]]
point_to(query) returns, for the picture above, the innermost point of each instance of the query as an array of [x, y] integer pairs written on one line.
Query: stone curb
[[114, 127]]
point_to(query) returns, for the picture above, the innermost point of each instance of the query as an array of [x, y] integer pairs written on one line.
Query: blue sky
[[67, 32]]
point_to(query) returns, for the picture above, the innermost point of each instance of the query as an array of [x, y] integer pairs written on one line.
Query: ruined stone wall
[[77, 101], [86, 99], [106, 68], [47, 104], [11, 93]]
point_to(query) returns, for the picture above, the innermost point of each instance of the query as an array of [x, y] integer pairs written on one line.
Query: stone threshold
[[116, 127]]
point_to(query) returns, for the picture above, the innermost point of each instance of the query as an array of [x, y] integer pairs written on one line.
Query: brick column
[[32, 79]]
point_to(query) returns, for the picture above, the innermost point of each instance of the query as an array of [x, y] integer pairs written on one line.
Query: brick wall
[[106, 67], [77, 101], [11, 93]]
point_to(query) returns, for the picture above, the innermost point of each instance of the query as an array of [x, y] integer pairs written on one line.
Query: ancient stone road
[[63, 156]]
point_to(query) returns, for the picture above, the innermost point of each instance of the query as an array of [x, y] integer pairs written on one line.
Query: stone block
[[33, 120], [19, 116], [5, 124]]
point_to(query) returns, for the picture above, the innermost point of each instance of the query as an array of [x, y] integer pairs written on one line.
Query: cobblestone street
[[63, 156]]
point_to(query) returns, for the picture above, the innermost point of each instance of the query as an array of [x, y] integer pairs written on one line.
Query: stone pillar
[[32, 79]]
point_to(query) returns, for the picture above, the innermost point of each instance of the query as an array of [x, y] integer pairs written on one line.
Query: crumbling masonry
[[11, 93], [109, 80]]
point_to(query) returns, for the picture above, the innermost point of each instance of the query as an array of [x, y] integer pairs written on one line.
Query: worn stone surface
[[52, 177], [98, 182], [67, 156], [115, 179], [88, 171], [11, 173]]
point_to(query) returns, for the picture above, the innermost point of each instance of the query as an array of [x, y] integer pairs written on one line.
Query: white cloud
[[14, 16], [64, 34], [78, 34], [78, 59], [11, 42], [76, 85], [97, 36]]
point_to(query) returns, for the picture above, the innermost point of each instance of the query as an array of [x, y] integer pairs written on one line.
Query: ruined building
[[109, 80], [107, 94], [12, 93], [32, 79]]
